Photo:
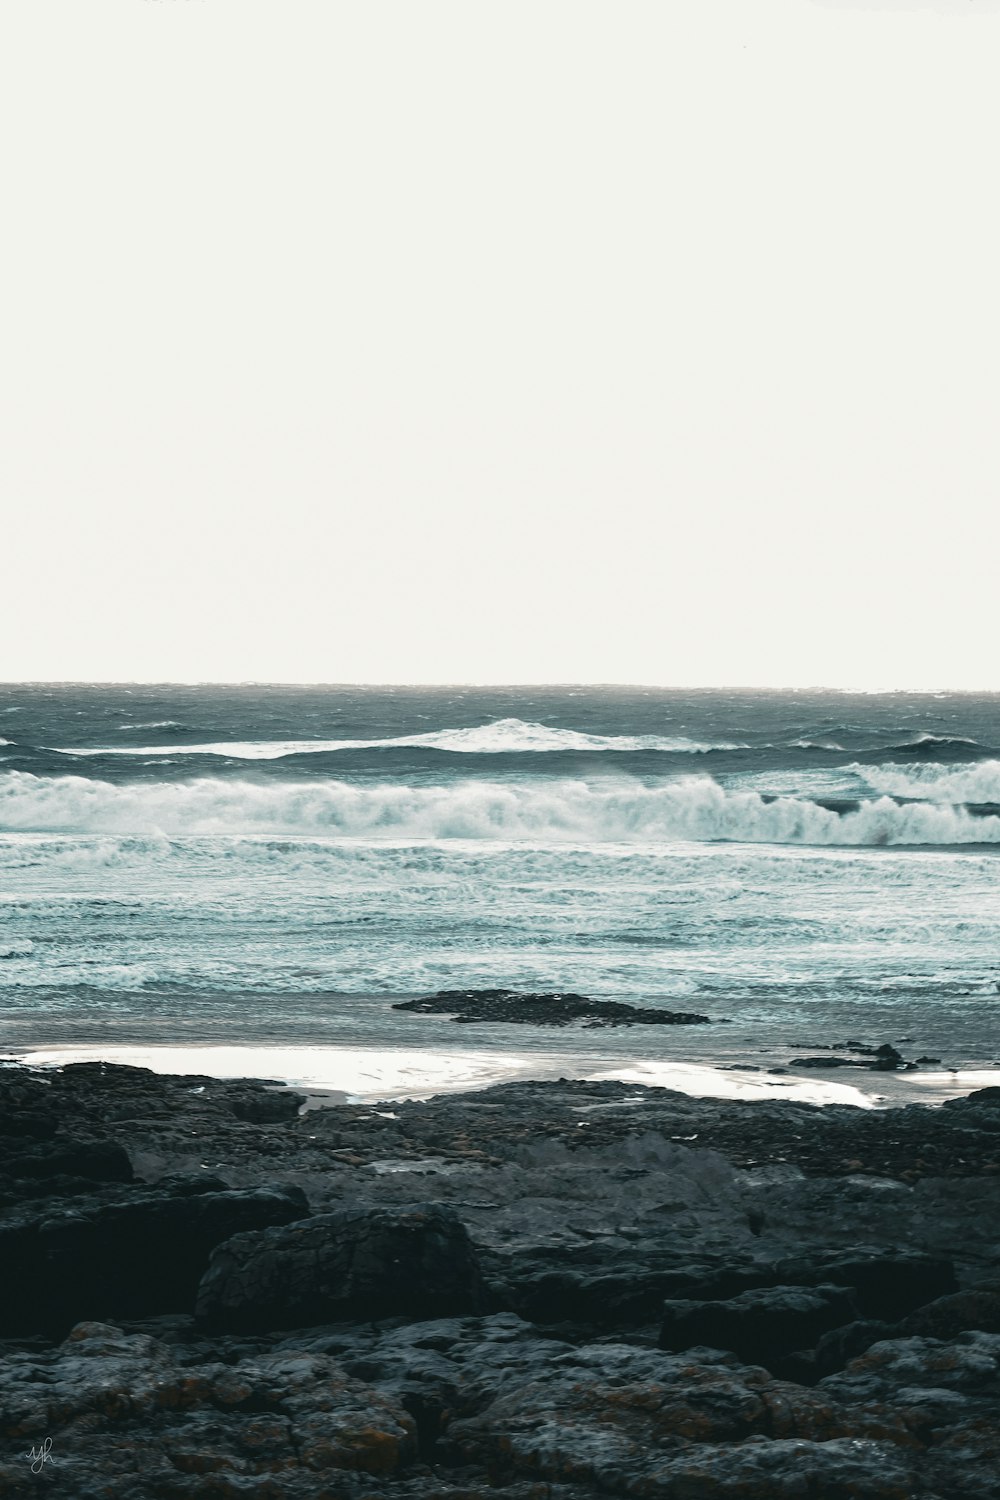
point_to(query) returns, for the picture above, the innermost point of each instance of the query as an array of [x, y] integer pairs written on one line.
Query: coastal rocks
[[977, 1308], [761, 1326], [359, 1263], [969, 1363], [90, 1161], [885, 1284], [580, 1206], [884, 1059], [123, 1419], [633, 1423], [907, 1143], [144, 1254], [557, 1009], [64, 1168], [837, 1348], [947, 1393]]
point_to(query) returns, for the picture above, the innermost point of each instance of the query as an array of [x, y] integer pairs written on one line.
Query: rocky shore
[[543, 1291]]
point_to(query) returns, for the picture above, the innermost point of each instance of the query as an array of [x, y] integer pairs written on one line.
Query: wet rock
[[838, 1347], [91, 1161], [265, 1107], [661, 1426], [969, 1363], [886, 1284], [884, 1059], [973, 1309], [126, 1421], [359, 1263], [556, 1009], [761, 1326], [583, 1205], [142, 1255]]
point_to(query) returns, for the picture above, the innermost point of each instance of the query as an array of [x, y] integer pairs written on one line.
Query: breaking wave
[[936, 746], [977, 783], [501, 737], [152, 724], [694, 808]]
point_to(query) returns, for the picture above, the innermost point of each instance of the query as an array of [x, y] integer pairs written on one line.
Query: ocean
[[271, 867]]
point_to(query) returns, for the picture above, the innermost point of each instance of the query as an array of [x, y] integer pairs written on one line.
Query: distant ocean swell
[[502, 737], [692, 808]]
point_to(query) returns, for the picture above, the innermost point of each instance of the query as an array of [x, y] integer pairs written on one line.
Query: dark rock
[[267, 1107], [886, 1284], [555, 1009], [636, 1423], [358, 1263], [93, 1161], [969, 1363], [130, 1258], [761, 1326], [595, 1290], [884, 1059], [945, 1318], [587, 1204], [128, 1420], [838, 1347]]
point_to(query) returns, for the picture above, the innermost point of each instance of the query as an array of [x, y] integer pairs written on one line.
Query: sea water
[[272, 867]]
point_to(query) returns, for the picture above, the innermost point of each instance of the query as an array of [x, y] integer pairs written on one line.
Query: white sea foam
[[151, 724], [575, 812], [975, 783], [367, 1074], [503, 736], [19, 948]]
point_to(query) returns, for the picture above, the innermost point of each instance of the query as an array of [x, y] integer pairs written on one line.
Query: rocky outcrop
[[481, 1407], [885, 1283], [141, 1255], [473, 1307], [356, 1264], [125, 1419], [761, 1326], [514, 1007]]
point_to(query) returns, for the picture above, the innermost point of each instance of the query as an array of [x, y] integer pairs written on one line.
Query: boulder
[[976, 1308], [886, 1284], [838, 1347], [134, 1258], [762, 1326], [415, 1261], [93, 1161]]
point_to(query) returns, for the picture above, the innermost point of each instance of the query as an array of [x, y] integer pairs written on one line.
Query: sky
[[500, 341]]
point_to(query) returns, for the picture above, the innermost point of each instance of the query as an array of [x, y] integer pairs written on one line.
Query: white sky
[[501, 340]]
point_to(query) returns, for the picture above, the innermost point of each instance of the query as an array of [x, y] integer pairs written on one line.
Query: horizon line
[[230, 682]]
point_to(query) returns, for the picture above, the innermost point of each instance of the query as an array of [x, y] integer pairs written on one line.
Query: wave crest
[[936, 783], [694, 808], [502, 737]]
